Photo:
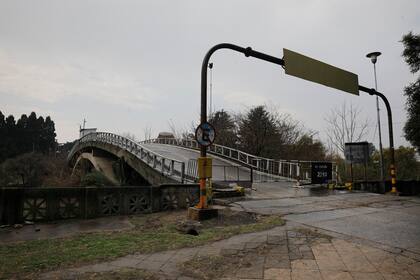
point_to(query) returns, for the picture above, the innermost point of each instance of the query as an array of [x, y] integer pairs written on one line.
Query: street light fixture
[[373, 58]]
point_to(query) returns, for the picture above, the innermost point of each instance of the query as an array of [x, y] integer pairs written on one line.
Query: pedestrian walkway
[[288, 252]]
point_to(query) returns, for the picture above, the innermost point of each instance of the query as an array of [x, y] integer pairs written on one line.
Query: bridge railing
[[165, 165], [265, 169]]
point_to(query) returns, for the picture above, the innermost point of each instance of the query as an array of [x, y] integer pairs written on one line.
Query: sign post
[[356, 152], [204, 135], [321, 172]]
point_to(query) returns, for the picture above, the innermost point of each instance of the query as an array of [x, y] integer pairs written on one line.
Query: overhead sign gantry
[[301, 66]]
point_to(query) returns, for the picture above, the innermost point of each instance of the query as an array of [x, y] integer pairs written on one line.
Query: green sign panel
[[319, 72]]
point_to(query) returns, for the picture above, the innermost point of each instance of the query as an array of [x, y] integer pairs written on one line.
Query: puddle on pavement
[[323, 191]]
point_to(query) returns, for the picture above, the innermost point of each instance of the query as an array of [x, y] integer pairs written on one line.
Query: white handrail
[[292, 169]]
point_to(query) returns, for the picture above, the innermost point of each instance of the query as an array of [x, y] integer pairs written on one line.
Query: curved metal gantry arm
[[247, 51], [372, 91]]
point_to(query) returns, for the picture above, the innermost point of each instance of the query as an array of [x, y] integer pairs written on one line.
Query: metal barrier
[[230, 172], [265, 169], [165, 165]]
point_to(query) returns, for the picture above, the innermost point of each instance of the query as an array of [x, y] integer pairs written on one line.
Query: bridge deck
[[223, 170]]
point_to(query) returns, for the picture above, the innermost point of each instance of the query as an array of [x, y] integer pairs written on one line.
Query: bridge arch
[[103, 149]]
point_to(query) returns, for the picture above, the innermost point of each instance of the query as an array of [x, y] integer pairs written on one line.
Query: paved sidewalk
[[288, 252], [333, 235]]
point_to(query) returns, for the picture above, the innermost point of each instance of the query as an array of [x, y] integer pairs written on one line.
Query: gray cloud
[[127, 65]]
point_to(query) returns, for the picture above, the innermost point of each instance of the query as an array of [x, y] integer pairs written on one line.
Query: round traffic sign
[[205, 134]]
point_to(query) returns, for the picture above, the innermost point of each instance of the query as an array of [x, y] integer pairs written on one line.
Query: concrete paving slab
[[336, 275], [304, 274], [367, 276]]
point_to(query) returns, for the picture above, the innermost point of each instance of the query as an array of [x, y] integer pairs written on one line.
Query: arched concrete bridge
[[160, 161]]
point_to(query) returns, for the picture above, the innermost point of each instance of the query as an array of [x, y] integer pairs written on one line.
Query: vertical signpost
[[356, 152], [321, 172], [205, 135]]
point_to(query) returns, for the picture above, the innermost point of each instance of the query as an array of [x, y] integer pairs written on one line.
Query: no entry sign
[[205, 134]]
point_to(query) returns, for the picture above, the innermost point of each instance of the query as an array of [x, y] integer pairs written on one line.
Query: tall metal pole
[[379, 130], [248, 52], [391, 136], [374, 57], [211, 88]]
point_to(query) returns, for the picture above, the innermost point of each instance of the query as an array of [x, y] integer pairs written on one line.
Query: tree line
[[27, 134]]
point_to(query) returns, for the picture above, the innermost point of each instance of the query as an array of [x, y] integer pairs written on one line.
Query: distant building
[[166, 135], [86, 131]]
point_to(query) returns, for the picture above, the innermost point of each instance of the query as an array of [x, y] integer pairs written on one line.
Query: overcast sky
[[129, 65]]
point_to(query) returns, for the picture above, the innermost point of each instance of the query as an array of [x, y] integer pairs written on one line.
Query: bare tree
[[129, 136], [344, 125], [147, 133], [187, 132]]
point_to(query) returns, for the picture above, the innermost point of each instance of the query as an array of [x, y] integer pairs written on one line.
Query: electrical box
[[204, 167]]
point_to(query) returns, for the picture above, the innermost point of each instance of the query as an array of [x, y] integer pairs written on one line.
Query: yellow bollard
[[204, 165], [349, 186]]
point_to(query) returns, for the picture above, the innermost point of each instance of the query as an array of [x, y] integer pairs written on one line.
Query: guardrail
[[227, 172], [165, 165], [290, 169]]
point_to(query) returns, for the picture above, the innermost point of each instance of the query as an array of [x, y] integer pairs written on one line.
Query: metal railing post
[[298, 170], [252, 174], [290, 170], [237, 171], [182, 172], [172, 166]]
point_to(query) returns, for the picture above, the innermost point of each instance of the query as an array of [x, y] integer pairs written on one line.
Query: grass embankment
[[152, 233]]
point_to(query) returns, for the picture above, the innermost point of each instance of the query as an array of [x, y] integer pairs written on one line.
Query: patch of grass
[[152, 233]]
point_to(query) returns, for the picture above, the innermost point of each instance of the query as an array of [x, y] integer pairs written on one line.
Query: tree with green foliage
[[26, 169], [257, 133], [408, 168], [306, 148], [269, 134], [411, 56], [225, 127]]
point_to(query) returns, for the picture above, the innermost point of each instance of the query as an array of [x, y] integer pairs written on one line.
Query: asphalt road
[[390, 220]]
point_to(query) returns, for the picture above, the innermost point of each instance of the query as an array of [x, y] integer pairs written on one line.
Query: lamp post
[[373, 58]]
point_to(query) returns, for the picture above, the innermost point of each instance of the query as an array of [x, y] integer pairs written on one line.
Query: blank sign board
[[319, 72]]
